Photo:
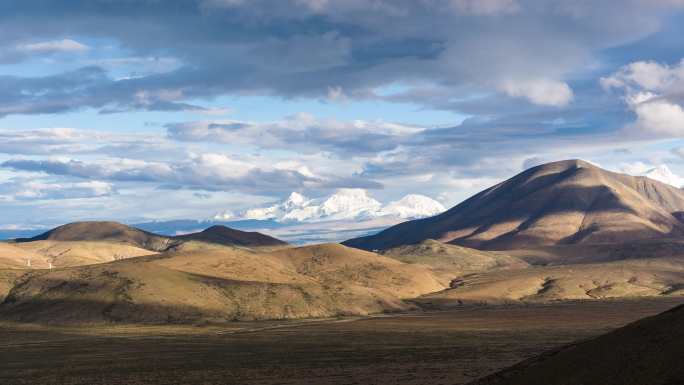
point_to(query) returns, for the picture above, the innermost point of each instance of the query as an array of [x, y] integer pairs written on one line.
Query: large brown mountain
[[566, 202]]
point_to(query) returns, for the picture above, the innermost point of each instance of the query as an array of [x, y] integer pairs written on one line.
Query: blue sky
[[136, 110]]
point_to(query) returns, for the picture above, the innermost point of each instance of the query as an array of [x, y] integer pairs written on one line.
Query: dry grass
[[451, 347]]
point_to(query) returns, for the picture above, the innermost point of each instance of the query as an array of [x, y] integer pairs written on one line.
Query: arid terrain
[[452, 347]]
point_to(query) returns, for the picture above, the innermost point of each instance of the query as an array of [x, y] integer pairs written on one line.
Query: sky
[[152, 110]]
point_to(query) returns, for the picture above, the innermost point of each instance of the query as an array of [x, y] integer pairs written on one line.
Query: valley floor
[[448, 347]]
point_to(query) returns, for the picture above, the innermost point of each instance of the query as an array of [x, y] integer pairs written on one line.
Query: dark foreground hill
[[567, 202], [648, 351]]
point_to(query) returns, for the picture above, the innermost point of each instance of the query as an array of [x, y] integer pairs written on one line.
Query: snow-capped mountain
[[663, 174], [294, 202], [413, 206], [344, 204]]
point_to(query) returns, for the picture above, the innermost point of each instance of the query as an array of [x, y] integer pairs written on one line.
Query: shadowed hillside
[[648, 351], [567, 202]]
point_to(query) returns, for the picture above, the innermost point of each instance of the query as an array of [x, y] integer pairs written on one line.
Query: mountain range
[[344, 204]]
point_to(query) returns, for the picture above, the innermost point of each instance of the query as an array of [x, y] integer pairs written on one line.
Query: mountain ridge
[[107, 231]]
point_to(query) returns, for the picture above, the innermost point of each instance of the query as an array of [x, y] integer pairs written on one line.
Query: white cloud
[[544, 92], [654, 92], [30, 189], [64, 45], [660, 117]]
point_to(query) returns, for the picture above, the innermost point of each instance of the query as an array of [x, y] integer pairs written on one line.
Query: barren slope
[[566, 202]]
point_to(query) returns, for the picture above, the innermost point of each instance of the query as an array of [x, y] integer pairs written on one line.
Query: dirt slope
[[567, 202], [648, 351]]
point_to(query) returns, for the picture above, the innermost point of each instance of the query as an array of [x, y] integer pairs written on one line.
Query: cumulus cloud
[[655, 93]]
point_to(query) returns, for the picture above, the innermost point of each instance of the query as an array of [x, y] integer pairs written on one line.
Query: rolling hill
[[451, 261], [221, 284], [648, 351], [85, 243], [567, 202], [619, 279], [103, 232]]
